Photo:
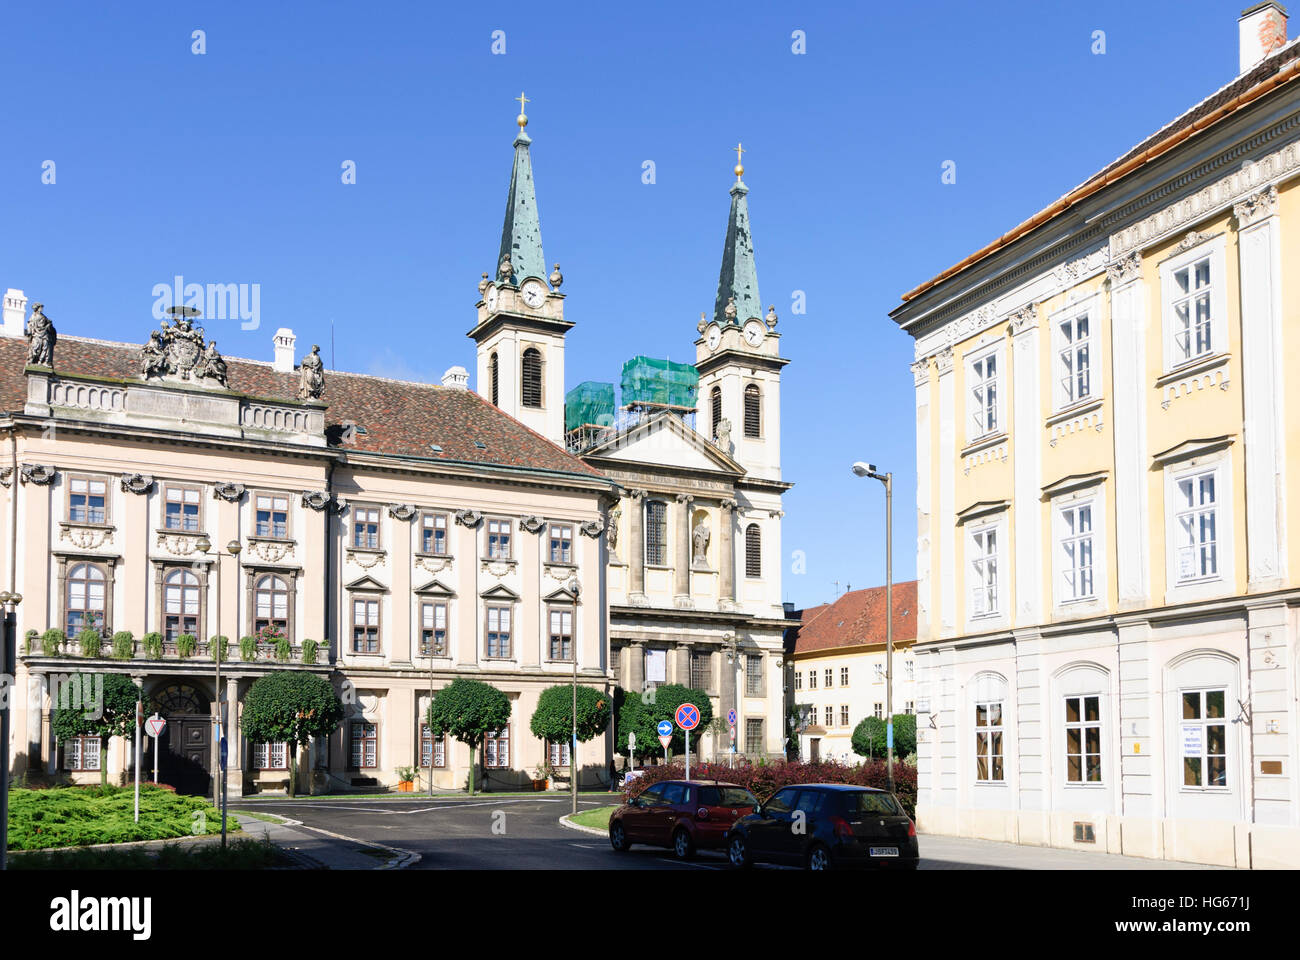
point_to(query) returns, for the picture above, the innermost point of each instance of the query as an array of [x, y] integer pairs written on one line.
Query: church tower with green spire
[[738, 354], [521, 326]]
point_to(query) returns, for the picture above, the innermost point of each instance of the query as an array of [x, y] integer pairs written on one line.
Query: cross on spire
[[739, 168], [522, 119]]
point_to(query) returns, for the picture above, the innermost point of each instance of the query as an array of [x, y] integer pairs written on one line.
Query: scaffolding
[[589, 413], [650, 383]]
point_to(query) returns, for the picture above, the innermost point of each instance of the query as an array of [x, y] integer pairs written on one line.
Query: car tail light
[[842, 827], [702, 813], [911, 828]]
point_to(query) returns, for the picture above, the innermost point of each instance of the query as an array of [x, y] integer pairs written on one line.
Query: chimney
[[1261, 29], [284, 341], [456, 378], [15, 313]]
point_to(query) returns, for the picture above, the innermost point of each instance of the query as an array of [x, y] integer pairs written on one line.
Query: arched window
[[86, 594], [715, 402], [180, 604], [656, 532], [494, 375], [753, 416], [271, 605], [531, 378], [753, 551]]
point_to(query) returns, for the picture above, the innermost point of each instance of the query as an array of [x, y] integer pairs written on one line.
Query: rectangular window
[[909, 706], [829, 713], [984, 396], [181, 508], [880, 672], [1203, 737], [1083, 739], [270, 756], [656, 666], [844, 676], [561, 634], [81, 753], [984, 572], [844, 716], [700, 678], [798, 680], [498, 632], [365, 625], [656, 532], [615, 659], [1074, 361], [432, 751], [498, 539], [1076, 552], [1195, 527], [496, 749], [878, 711], [830, 678], [753, 736], [558, 754], [365, 745], [433, 534], [365, 527], [433, 628], [561, 543], [909, 670], [812, 679], [272, 515], [988, 742], [88, 500], [1191, 303], [754, 675]]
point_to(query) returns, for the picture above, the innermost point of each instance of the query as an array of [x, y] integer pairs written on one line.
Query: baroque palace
[[1108, 505], [393, 536]]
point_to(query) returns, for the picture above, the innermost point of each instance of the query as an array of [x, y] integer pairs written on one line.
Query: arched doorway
[[185, 757]]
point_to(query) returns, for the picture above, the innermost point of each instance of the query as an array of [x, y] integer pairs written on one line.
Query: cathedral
[[196, 522]]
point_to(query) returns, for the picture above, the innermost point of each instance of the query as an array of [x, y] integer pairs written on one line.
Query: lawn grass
[[81, 816], [598, 818], [240, 854], [264, 817]]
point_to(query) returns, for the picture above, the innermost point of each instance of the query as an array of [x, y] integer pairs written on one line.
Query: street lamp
[[232, 550], [8, 654], [861, 469]]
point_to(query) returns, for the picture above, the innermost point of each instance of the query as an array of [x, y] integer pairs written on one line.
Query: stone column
[[636, 544], [727, 555], [682, 565], [1128, 343], [634, 654]]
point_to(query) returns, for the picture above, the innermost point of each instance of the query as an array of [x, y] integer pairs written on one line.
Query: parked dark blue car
[[823, 826]]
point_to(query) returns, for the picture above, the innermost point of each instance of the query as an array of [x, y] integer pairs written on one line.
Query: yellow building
[[1107, 628]]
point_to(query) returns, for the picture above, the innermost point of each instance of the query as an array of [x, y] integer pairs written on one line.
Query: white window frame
[[1083, 725], [977, 558], [989, 729], [1178, 588], [977, 403], [1225, 721], [1093, 498], [1065, 388], [1170, 294]]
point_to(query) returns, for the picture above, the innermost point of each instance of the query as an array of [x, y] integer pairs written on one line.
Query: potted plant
[[248, 649], [406, 779], [542, 774]]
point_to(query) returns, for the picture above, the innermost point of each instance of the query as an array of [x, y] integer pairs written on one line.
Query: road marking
[[687, 863], [586, 846]]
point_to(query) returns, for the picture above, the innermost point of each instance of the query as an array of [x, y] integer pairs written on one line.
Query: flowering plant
[[270, 634]]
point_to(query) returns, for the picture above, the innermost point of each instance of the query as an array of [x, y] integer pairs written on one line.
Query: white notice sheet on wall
[[1193, 740]]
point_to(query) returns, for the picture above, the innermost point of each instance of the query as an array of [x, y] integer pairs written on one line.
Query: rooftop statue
[[179, 350], [312, 372], [41, 338]]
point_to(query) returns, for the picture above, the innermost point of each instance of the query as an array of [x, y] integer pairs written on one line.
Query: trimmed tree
[[85, 709], [290, 707], [553, 719], [869, 736], [642, 718], [468, 710]]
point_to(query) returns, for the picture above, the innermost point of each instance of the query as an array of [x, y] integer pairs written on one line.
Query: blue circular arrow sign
[[688, 717], [665, 728]]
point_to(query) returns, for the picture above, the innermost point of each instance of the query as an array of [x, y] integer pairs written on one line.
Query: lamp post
[[861, 469], [8, 654], [232, 550]]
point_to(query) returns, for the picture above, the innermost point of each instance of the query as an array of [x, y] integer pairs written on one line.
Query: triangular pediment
[[435, 588], [664, 440], [499, 592], [365, 583], [563, 595]]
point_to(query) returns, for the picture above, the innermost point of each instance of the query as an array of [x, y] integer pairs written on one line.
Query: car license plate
[[884, 851]]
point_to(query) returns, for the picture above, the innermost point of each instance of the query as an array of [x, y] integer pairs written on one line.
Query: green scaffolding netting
[[647, 380], [589, 403]]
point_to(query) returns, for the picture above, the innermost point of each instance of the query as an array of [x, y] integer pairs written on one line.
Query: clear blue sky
[[225, 168]]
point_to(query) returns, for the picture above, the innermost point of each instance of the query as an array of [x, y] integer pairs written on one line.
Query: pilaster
[[944, 524], [1027, 466]]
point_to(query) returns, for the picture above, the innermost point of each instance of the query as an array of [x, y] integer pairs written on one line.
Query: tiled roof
[[857, 617], [398, 418]]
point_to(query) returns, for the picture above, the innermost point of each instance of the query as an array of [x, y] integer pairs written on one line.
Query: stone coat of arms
[[179, 350]]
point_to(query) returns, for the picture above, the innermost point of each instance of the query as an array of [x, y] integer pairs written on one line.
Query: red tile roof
[[858, 617], [399, 418]]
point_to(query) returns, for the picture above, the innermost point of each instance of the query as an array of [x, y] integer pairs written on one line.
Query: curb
[[566, 822]]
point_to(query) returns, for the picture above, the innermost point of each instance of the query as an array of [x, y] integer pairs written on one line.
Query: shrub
[[91, 641], [290, 707], [219, 647], [95, 705], [637, 716], [185, 645], [467, 710], [29, 641], [869, 737], [310, 648], [248, 648], [52, 641], [123, 645], [553, 719], [153, 643], [763, 780]]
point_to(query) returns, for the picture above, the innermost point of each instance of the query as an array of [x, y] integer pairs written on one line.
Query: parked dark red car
[[684, 815]]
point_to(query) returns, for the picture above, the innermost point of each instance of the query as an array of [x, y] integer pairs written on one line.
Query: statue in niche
[[312, 373], [611, 529], [41, 338], [700, 536]]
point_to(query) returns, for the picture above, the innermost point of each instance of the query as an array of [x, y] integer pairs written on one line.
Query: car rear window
[[873, 804], [726, 797]]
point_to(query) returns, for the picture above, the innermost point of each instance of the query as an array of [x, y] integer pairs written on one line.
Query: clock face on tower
[[534, 293], [492, 298], [714, 336], [753, 333]]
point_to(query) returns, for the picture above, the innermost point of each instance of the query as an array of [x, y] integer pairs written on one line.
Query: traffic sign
[[665, 728], [666, 740], [155, 725], [631, 740], [687, 716], [731, 717]]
